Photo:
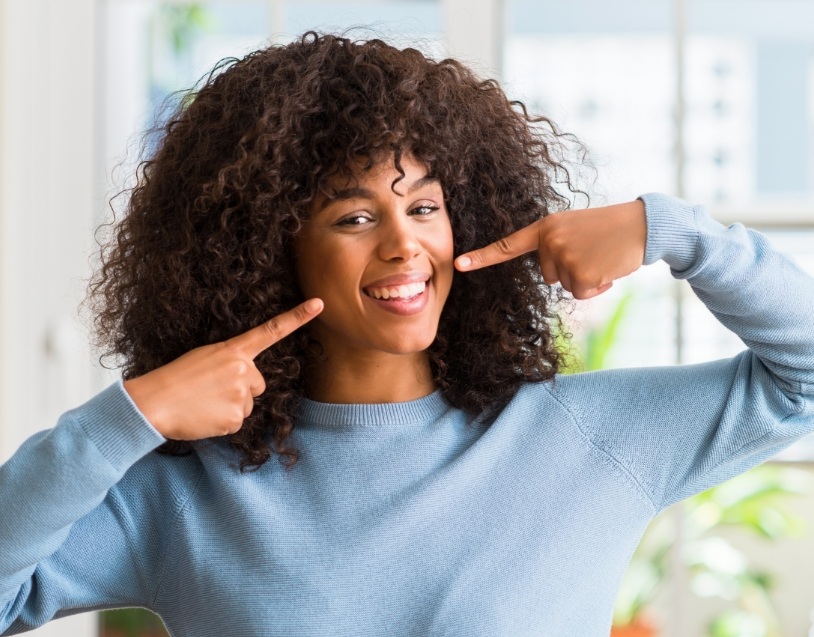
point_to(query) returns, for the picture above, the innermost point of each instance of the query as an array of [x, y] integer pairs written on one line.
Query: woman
[[436, 476]]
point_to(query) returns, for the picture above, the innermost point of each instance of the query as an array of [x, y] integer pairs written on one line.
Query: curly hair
[[204, 249]]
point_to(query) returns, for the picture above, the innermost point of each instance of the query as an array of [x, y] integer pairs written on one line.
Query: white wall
[[47, 180]]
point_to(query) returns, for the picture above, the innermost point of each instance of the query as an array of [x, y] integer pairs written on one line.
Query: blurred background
[[711, 100]]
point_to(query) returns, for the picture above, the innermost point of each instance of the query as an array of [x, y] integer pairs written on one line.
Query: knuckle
[[273, 327], [504, 246], [556, 241], [228, 347], [240, 367], [571, 263], [237, 394], [234, 422]]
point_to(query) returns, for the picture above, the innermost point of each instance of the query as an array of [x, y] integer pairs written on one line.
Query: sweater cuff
[[116, 427], [672, 231]]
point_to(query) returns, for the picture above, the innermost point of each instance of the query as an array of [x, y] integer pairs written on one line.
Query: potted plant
[[130, 622], [751, 502]]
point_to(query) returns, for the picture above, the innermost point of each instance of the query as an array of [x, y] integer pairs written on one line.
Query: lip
[[403, 307]]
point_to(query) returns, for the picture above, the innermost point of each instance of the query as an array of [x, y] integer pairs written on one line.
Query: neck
[[370, 377]]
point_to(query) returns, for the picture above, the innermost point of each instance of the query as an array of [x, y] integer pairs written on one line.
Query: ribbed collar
[[424, 409]]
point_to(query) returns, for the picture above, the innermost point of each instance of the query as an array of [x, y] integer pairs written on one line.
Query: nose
[[398, 240]]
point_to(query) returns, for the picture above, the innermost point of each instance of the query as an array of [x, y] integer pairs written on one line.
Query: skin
[[375, 229], [210, 390], [584, 250], [372, 355]]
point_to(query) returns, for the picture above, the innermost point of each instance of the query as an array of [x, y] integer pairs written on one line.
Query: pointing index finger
[[520, 242], [260, 338]]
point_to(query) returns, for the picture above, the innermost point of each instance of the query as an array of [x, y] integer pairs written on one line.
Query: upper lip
[[404, 278]]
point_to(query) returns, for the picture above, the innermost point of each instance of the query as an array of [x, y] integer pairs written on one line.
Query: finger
[[565, 282], [248, 406], [549, 271], [592, 292], [525, 240], [264, 336], [258, 384]]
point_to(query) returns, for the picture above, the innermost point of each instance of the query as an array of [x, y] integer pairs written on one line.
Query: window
[[711, 100]]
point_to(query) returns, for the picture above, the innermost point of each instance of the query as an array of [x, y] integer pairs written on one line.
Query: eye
[[354, 220], [423, 211]]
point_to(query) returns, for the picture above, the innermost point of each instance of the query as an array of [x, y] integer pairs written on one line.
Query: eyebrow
[[364, 193]]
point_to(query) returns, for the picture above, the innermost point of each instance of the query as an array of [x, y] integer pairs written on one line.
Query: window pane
[[156, 48], [750, 107], [606, 72], [415, 23]]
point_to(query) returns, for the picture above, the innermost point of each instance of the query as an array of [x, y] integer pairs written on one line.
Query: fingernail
[[312, 305], [464, 262]]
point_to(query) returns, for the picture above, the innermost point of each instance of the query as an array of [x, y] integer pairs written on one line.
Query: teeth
[[402, 291]]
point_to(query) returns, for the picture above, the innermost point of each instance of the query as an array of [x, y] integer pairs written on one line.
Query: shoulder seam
[[615, 461], [170, 541], [117, 501]]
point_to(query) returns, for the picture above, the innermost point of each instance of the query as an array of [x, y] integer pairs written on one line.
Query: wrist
[[672, 231], [637, 226], [139, 391]]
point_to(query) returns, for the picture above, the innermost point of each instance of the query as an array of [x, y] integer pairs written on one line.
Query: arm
[[84, 525], [64, 542], [679, 430], [698, 425]]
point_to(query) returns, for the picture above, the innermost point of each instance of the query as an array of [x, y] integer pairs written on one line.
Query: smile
[[403, 292], [402, 300]]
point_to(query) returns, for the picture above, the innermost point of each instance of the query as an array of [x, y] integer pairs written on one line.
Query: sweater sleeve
[[679, 430], [66, 534]]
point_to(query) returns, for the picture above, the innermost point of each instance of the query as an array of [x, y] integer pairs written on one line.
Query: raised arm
[[85, 516], [679, 430]]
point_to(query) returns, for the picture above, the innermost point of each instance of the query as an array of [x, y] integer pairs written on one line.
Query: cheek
[[443, 249], [329, 270]]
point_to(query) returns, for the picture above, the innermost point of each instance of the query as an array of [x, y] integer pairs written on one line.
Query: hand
[[585, 250], [210, 390]]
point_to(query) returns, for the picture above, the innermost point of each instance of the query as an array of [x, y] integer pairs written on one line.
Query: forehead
[[369, 180], [366, 170]]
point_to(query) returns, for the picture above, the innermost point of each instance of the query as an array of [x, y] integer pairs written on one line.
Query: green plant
[[181, 24], [130, 622], [590, 351], [751, 503]]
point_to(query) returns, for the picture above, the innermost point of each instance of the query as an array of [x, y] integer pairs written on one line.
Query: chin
[[406, 345]]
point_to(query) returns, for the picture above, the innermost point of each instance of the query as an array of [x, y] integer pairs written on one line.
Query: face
[[381, 260]]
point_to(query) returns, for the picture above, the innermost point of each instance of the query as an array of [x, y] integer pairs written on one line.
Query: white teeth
[[401, 291]]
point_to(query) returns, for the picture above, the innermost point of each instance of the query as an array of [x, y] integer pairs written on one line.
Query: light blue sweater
[[402, 519]]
